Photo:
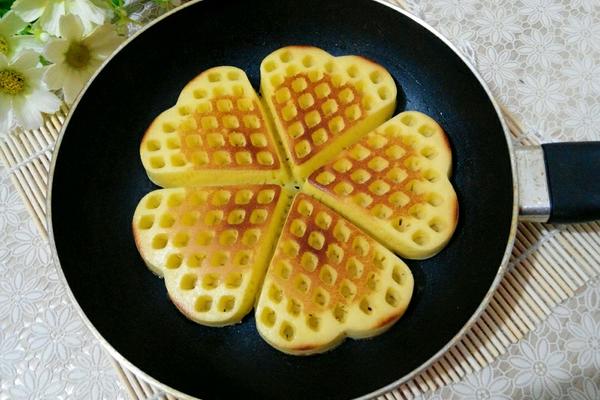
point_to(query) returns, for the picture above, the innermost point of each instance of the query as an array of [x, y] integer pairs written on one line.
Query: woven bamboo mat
[[548, 264]]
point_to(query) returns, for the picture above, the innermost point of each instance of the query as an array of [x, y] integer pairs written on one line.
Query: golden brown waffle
[[211, 245], [394, 184], [217, 133], [322, 103], [367, 189], [328, 280]]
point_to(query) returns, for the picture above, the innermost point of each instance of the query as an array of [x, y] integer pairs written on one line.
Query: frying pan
[[97, 180]]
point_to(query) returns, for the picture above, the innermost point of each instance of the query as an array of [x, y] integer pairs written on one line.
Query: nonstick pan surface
[[98, 180]]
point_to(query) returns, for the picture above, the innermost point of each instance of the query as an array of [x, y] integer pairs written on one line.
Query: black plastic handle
[[573, 171]]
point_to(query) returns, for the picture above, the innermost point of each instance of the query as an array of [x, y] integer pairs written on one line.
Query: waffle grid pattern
[[345, 283], [394, 184], [218, 124], [321, 103], [210, 244]]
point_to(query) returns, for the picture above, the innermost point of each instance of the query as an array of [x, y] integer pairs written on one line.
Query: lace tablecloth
[[542, 60]]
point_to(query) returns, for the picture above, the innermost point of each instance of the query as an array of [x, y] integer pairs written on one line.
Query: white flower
[[458, 9], [540, 48], [583, 74], [592, 294], [482, 385], [585, 341], [37, 385], [457, 33], [48, 13], [554, 319], [10, 354], [76, 56], [540, 369], [584, 32], [544, 11], [497, 67], [56, 334], [590, 391], [460, 37], [498, 25], [584, 120], [28, 246], [11, 43], [542, 93], [587, 5], [93, 376], [19, 297], [23, 96], [10, 206]]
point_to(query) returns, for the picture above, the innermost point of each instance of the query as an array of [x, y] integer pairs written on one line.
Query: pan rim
[[459, 335]]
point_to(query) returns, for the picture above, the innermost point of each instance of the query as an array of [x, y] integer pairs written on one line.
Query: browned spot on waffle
[[216, 231], [326, 250], [389, 319], [228, 132], [305, 347], [315, 111]]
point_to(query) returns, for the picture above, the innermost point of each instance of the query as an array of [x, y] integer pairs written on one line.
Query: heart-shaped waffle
[[211, 245], [393, 183], [328, 280], [321, 103], [221, 238], [217, 133]]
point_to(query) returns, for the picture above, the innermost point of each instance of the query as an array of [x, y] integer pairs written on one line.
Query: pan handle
[[559, 182]]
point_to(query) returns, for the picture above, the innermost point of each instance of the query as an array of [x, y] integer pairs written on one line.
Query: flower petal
[[576, 345], [486, 376], [71, 27], [527, 350], [555, 359], [521, 362], [5, 114], [574, 394], [55, 76], [542, 349], [89, 13], [463, 389], [588, 324], [524, 379], [553, 388], [29, 10], [590, 389], [537, 388], [50, 18], [55, 50], [585, 358], [26, 115], [44, 101], [26, 60], [72, 85], [19, 43], [11, 24], [103, 41], [559, 374]]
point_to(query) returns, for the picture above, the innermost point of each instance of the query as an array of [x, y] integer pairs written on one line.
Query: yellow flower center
[[78, 55], [3, 45], [11, 82]]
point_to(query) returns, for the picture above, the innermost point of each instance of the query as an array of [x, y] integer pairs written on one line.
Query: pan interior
[[99, 179]]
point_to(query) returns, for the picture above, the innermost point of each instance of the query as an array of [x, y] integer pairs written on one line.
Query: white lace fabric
[[541, 58]]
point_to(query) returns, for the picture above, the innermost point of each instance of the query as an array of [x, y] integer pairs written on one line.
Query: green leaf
[[5, 6]]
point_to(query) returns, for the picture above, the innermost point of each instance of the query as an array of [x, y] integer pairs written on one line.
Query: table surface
[[541, 58]]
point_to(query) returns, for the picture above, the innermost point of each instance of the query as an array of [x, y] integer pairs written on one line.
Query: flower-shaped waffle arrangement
[[298, 216]]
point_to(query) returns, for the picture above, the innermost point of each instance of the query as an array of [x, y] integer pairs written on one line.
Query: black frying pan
[[98, 179]]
